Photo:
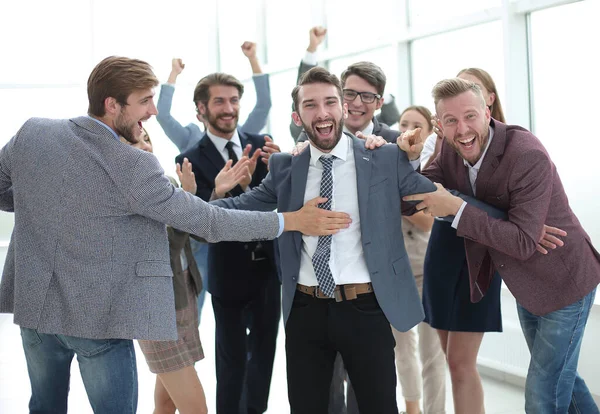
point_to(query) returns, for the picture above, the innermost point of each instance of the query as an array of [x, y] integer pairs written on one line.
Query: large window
[[428, 12], [565, 94], [287, 39], [443, 56], [280, 117], [355, 24]]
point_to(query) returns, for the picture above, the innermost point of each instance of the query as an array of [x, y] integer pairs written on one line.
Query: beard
[[127, 128], [482, 139], [323, 144], [212, 120]]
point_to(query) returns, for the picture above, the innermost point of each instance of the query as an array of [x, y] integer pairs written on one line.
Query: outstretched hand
[[371, 141], [411, 143], [268, 149], [314, 221], [186, 176], [230, 176]]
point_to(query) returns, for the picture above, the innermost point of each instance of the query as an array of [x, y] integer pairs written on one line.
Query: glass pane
[[285, 45], [23, 104], [565, 88], [40, 49], [428, 12], [238, 22], [280, 117], [184, 30], [349, 28], [443, 56]]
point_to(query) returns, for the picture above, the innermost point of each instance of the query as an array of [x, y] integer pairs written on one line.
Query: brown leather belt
[[341, 292]]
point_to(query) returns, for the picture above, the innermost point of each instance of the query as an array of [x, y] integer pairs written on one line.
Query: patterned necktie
[[231, 153], [320, 259]]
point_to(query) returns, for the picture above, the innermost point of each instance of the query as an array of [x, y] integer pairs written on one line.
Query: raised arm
[[257, 119], [183, 137]]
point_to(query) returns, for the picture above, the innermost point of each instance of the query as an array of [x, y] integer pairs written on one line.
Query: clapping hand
[[186, 176]]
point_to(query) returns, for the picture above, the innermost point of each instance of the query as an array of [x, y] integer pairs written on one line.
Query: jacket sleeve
[[150, 194], [183, 137], [257, 119], [529, 193], [260, 198]]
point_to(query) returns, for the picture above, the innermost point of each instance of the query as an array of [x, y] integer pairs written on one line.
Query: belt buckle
[[345, 293]]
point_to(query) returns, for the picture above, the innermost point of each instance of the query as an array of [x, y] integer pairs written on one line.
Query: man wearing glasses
[[363, 86]]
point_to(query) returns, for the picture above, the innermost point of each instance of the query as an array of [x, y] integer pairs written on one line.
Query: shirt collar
[[367, 131], [477, 165], [340, 150], [112, 131], [221, 142]]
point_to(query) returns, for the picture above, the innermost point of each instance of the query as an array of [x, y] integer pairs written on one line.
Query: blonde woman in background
[[431, 378]]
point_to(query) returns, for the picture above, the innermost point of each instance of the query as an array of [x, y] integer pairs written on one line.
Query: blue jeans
[[200, 252], [107, 368], [554, 340]]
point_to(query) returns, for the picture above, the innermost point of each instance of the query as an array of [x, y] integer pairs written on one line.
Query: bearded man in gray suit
[[341, 293], [88, 267]]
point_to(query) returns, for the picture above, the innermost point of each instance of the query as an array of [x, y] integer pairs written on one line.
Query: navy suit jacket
[[384, 176], [231, 272]]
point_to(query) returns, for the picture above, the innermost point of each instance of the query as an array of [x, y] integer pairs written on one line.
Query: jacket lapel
[[492, 159], [211, 152], [363, 165], [299, 173]]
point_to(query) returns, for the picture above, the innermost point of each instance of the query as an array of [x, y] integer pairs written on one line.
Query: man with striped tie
[[341, 292]]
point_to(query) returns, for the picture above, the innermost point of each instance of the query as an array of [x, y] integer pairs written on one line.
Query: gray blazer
[[89, 255], [384, 176]]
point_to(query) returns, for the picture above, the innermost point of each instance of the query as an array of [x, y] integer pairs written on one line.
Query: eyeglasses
[[365, 97]]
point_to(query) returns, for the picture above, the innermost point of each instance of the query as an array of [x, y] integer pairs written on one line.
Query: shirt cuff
[[170, 84], [457, 216], [281, 223], [310, 58], [415, 163]]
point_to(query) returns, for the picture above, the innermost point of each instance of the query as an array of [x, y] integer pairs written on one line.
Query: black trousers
[[316, 330], [244, 361]]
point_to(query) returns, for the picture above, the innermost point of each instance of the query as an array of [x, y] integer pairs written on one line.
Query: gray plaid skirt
[[168, 356]]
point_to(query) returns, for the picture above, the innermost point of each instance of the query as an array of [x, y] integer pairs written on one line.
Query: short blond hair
[[449, 88]]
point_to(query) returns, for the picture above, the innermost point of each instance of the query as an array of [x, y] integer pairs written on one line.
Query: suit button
[[294, 278], [501, 266]]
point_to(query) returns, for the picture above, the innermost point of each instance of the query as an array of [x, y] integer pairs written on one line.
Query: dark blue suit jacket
[[232, 274]]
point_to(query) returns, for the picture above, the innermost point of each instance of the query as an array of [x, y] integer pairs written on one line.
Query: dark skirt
[[446, 290]]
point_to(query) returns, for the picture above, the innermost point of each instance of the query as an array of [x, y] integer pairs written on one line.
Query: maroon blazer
[[518, 176]]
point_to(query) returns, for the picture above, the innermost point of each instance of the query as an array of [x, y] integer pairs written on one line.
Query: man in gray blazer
[[87, 268], [341, 293]]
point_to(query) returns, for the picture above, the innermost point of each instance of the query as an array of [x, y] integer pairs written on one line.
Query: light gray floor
[[500, 398]]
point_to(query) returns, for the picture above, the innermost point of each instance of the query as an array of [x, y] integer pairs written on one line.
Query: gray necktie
[[320, 259]]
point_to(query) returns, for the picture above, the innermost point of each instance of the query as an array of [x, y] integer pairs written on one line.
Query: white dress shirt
[[221, 142], [347, 261], [473, 171]]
